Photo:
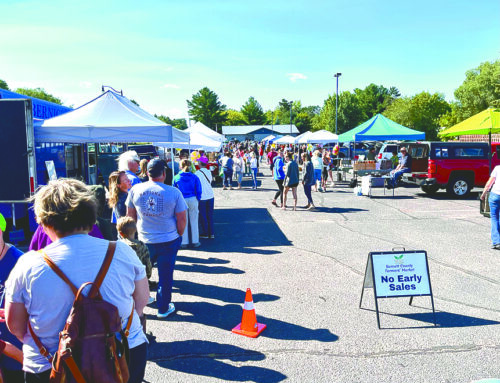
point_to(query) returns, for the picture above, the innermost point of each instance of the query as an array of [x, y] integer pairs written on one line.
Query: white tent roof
[[322, 137], [302, 139], [108, 118], [200, 127], [268, 138], [196, 141], [285, 140]]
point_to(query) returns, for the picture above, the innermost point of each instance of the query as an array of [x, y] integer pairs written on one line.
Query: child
[[394, 159], [127, 228]]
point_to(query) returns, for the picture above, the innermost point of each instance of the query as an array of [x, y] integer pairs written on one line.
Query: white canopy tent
[[268, 138], [302, 138], [110, 117], [199, 127], [285, 140], [322, 137], [197, 141]]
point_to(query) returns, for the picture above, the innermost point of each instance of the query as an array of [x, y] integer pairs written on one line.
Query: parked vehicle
[[385, 152], [454, 166]]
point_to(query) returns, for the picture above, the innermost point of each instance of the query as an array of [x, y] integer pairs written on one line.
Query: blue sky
[[162, 52]]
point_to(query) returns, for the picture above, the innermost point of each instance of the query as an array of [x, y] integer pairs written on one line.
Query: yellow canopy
[[488, 121]]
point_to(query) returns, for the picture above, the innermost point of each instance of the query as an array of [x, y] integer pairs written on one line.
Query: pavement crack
[[257, 355]]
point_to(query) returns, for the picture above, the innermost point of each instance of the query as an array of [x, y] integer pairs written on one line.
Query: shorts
[[292, 186], [317, 174]]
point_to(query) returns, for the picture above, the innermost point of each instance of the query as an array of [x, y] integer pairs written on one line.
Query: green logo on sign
[[398, 260]]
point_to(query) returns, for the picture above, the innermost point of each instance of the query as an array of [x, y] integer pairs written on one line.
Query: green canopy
[[485, 122], [380, 128]]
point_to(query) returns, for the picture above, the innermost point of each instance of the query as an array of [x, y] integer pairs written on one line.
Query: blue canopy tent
[[380, 128]]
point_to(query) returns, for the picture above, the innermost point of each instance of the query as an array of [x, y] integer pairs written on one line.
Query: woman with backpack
[[41, 290]]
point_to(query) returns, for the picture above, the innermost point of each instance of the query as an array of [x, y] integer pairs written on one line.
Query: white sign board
[[51, 169], [400, 274]]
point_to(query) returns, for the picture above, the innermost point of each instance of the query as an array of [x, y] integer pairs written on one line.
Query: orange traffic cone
[[249, 326]]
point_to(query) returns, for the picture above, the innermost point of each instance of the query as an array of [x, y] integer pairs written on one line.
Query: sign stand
[[398, 274]]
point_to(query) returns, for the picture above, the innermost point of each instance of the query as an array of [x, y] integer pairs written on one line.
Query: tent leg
[[172, 155]]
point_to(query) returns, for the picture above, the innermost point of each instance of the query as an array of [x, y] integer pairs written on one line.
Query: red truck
[[454, 166]]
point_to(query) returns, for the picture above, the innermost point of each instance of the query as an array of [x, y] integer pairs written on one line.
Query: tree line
[[424, 111]]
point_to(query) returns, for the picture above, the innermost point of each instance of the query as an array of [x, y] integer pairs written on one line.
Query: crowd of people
[[149, 215], [152, 209]]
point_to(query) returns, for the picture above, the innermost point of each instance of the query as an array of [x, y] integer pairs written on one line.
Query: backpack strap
[[58, 271], [129, 322], [94, 290], [43, 351]]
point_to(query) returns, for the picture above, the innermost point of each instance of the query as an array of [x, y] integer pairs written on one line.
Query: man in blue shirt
[[129, 163], [403, 167]]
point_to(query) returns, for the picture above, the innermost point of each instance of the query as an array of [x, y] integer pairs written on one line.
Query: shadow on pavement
[[228, 316], [224, 294], [241, 230], [443, 319], [336, 210], [441, 196], [208, 269], [205, 358], [209, 261], [389, 196]]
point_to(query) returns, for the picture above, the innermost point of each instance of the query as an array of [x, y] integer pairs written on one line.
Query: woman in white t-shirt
[[238, 167], [254, 168], [67, 210], [493, 186]]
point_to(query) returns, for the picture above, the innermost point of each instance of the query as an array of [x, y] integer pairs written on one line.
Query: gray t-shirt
[[156, 205], [48, 299]]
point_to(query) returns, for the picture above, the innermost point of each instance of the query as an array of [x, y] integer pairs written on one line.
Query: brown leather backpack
[[89, 351]]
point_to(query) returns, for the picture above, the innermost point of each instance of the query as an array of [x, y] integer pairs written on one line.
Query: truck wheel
[[459, 187], [429, 189]]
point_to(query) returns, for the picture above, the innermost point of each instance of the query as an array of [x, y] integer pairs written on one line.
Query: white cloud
[[296, 76], [171, 86], [169, 69]]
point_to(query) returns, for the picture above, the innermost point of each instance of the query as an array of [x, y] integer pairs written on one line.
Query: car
[[454, 166], [385, 152]]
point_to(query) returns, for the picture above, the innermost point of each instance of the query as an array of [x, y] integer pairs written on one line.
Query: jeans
[[279, 193], [164, 255], [192, 222], [396, 175], [206, 217], [307, 192], [228, 175], [137, 363], [494, 201], [254, 177], [239, 176]]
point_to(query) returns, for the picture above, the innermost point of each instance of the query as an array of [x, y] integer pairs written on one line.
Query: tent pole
[[489, 145], [172, 158]]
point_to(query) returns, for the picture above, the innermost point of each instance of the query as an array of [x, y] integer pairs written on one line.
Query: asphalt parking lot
[[306, 268]]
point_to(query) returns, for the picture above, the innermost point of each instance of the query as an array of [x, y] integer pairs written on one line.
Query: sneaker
[[204, 236], [184, 246], [151, 300], [197, 244], [212, 236], [171, 309]]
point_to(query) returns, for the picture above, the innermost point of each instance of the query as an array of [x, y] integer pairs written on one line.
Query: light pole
[[336, 75], [291, 103]]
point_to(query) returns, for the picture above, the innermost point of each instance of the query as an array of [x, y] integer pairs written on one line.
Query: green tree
[[421, 112], [235, 117], [303, 116], [325, 119], [3, 85], [480, 90], [38, 93], [252, 112], [134, 102], [178, 123], [375, 99], [205, 107]]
